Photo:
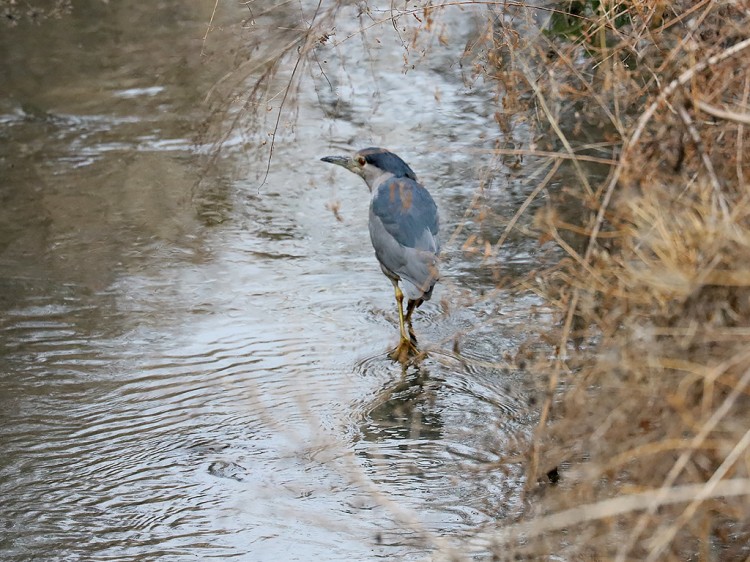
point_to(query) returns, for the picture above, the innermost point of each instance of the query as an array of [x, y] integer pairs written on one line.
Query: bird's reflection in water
[[406, 408], [447, 435]]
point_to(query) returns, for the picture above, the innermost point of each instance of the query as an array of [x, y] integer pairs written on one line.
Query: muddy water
[[193, 365]]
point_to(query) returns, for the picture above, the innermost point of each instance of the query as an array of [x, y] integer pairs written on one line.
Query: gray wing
[[404, 227]]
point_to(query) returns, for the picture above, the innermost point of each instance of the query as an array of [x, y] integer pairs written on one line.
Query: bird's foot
[[405, 351]]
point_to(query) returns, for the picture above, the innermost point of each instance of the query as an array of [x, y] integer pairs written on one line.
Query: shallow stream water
[[194, 360]]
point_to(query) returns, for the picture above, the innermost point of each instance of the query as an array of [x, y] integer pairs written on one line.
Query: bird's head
[[372, 164]]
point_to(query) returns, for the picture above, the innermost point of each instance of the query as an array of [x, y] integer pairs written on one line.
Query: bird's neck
[[377, 179]]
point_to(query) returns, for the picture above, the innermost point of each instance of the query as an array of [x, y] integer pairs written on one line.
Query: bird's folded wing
[[408, 213]]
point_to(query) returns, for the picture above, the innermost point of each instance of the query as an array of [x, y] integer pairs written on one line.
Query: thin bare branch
[[208, 27], [664, 536], [742, 118], [613, 507]]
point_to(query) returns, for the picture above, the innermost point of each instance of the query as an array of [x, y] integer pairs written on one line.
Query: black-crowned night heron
[[403, 229]]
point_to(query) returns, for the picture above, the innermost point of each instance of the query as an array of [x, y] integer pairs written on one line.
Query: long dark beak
[[344, 161]]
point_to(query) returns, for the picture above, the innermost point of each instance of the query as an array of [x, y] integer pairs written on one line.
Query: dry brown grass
[[649, 415]]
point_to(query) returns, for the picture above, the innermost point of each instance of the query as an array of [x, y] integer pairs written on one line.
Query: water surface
[[194, 360]]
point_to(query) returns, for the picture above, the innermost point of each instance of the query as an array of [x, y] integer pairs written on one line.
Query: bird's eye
[[361, 160]]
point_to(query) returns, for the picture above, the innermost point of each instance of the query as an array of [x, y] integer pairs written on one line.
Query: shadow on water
[[194, 367]]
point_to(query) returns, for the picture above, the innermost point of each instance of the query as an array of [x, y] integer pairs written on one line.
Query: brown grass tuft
[[648, 416]]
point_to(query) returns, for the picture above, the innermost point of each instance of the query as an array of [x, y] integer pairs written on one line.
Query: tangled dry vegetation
[[647, 412]]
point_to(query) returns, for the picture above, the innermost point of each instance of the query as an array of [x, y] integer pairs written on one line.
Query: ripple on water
[[122, 453], [446, 438]]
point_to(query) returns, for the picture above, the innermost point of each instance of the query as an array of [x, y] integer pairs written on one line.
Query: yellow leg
[[406, 347], [400, 302]]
